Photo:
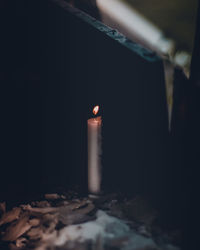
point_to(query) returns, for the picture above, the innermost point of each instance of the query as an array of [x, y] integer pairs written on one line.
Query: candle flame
[[95, 110]]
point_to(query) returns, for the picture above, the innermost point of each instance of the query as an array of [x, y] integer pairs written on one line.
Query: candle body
[[94, 155]]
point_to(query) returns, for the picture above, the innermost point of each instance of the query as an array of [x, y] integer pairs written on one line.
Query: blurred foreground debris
[[109, 222]]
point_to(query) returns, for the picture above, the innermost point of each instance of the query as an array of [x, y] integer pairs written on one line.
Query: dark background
[[58, 67], [54, 69]]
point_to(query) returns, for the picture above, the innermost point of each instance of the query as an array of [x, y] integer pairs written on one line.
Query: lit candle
[[94, 153]]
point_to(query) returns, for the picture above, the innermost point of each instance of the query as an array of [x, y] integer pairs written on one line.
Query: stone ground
[[67, 221]]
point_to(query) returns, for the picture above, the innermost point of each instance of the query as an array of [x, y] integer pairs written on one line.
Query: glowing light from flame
[[95, 110]]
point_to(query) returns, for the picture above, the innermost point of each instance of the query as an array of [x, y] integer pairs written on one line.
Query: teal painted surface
[[114, 34]]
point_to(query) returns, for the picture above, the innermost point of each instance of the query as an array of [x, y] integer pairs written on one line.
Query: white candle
[[94, 153]]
